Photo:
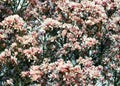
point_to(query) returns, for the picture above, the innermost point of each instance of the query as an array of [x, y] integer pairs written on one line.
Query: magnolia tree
[[59, 42]]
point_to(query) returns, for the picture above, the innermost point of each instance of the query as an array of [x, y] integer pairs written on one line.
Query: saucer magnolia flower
[[2, 56], [9, 82], [63, 4], [24, 73], [50, 23], [13, 60], [2, 35], [74, 5], [89, 42], [94, 72], [35, 73], [64, 32], [13, 45], [31, 52]]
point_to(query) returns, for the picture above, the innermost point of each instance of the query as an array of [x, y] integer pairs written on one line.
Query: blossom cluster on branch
[[60, 42]]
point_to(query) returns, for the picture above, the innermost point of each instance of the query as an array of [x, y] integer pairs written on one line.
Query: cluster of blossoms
[[27, 39], [18, 48], [31, 52], [13, 22], [60, 42], [60, 72]]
